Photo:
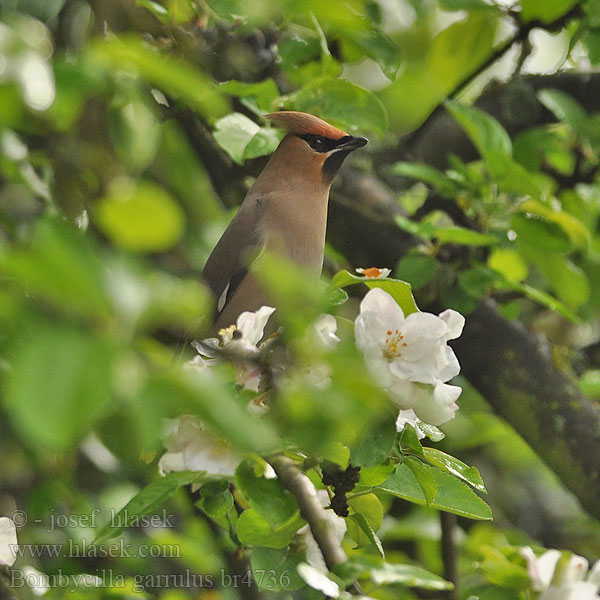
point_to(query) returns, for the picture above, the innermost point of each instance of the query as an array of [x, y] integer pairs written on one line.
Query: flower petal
[[8, 542], [252, 324], [455, 323], [439, 405]]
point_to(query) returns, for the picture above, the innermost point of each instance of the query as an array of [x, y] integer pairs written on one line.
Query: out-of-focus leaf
[[151, 498], [255, 530], [173, 77], [464, 236], [452, 495], [589, 383], [568, 281], [578, 233], [455, 467], [59, 266], [489, 137], [262, 94], [377, 45], [376, 444], [134, 131], [140, 216], [276, 568], [566, 109], [509, 262], [464, 5], [44, 10], [460, 48], [242, 138], [408, 575], [444, 185], [416, 269], [59, 385], [545, 10], [399, 290], [267, 496], [342, 102], [501, 571], [158, 10]]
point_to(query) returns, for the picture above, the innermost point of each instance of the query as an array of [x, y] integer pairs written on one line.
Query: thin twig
[[311, 510], [448, 523]]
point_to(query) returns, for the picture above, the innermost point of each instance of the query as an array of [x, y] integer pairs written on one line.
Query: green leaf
[[174, 77], [152, 497], [540, 297], [59, 385], [577, 232], [399, 290], [431, 431], [261, 94], [362, 530], [243, 139], [410, 576], [452, 495], [509, 263], [377, 443], [453, 5], [140, 216], [44, 10], [416, 269], [410, 440], [377, 45], [463, 236], [158, 10], [275, 569], [455, 467], [342, 102], [460, 48], [545, 10], [360, 520], [501, 571], [267, 496], [254, 530], [489, 137], [61, 267], [370, 476], [445, 186], [215, 499], [567, 109], [424, 477]]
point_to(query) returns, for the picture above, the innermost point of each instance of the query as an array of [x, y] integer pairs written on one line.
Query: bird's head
[[313, 145]]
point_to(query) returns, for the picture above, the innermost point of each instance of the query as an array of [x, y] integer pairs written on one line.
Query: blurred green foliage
[[117, 121]]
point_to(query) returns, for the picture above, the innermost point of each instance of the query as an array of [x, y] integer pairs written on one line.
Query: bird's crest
[[299, 123]]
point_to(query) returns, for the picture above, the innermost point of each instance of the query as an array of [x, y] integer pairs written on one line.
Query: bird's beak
[[352, 143]]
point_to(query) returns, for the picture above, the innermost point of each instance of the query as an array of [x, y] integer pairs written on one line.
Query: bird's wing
[[228, 263]]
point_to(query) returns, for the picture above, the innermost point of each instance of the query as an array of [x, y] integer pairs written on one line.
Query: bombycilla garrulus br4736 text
[[285, 212]]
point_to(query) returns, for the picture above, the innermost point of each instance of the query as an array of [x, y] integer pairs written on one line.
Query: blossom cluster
[[558, 576]]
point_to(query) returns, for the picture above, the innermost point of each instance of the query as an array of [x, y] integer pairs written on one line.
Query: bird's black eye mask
[[320, 143]]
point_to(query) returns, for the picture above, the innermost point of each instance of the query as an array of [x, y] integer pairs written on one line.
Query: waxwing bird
[[285, 212]]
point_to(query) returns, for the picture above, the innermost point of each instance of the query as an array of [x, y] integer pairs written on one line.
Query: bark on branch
[[311, 510]]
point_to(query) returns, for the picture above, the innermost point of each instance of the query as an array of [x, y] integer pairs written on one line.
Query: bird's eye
[[316, 142]]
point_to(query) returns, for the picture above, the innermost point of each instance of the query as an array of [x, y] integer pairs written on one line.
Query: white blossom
[[374, 273], [236, 341], [192, 447], [408, 417], [557, 581], [8, 542], [409, 356]]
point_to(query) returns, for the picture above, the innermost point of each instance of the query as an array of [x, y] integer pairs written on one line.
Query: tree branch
[[311, 510]]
